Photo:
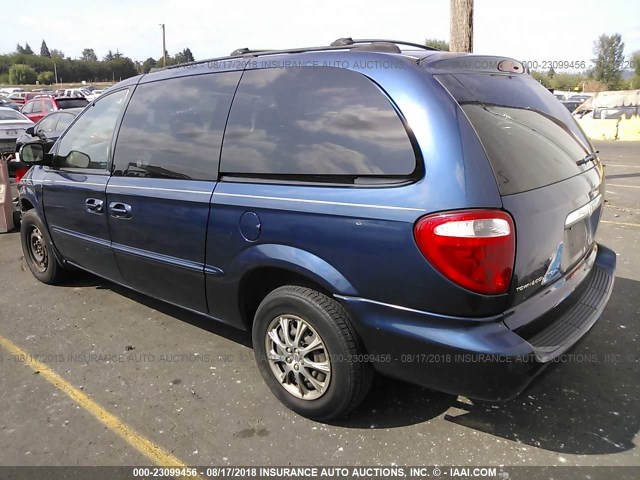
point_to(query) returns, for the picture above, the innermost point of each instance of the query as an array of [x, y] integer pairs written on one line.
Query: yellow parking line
[[625, 186], [142, 444], [621, 223]]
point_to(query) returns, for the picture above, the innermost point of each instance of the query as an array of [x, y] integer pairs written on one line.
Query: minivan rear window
[[530, 138]]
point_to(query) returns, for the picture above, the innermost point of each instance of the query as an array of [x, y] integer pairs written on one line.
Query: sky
[[536, 30]]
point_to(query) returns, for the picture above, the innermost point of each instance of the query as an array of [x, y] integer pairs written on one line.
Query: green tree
[[89, 55], [20, 49], [609, 52], [634, 82], [21, 74], [545, 80], [27, 49], [46, 78], [437, 43], [44, 50], [148, 64], [567, 81], [635, 62], [56, 53], [182, 57], [109, 56], [551, 72]]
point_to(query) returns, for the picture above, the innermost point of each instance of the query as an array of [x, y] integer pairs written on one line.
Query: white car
[[12, 125], [93, 95], [10, 90], [76, 92]]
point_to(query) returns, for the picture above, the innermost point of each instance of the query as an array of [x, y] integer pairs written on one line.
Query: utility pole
[[164, 46], [461, 26], [55, 71]]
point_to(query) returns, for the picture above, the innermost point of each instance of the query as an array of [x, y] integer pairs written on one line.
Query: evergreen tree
[[44, 50]]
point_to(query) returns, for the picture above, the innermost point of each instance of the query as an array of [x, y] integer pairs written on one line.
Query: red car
[[38, 107]]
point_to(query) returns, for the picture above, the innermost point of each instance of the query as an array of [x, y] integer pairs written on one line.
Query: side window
[[173, 128], [64, 121], [36, 106], [48, 107], [48, 123], [28, 108], [88, 143], [314, 121]]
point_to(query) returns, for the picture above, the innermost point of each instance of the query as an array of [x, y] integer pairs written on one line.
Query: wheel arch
[[267, 267]]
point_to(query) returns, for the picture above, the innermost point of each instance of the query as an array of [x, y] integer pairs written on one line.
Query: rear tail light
[[20, 172], [473, 248]]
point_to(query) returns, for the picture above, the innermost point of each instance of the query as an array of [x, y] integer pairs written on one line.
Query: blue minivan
[[369, 206]]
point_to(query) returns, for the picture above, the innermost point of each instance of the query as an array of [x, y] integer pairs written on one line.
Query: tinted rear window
[[72, 102], [531, 139], [314, 122]]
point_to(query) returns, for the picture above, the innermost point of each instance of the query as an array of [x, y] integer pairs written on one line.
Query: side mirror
[[33, 154], [30, 130]]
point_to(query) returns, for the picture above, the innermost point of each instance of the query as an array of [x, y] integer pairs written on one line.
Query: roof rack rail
[[348, 41], [245, 51], [340, 44]]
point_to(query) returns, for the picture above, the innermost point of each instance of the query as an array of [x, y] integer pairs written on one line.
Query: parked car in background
[[36, 109], [4, 102], [435, 221], [45, 133], [572, 104], [10, 90], [560, 96], [48, 129], [76, 92], [93, 95], [12, 125], [17, 97], [579, 98], [31, 95]]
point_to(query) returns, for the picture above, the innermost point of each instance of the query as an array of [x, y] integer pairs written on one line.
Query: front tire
[[308, 353], [38, 249]]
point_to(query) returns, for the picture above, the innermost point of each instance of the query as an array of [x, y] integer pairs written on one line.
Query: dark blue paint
[[250, 226], [192, 243]]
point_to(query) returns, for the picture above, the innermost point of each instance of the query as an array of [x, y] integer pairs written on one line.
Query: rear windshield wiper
[[589, 158]]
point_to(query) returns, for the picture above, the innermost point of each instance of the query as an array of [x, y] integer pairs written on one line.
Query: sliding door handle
[[120, 210]]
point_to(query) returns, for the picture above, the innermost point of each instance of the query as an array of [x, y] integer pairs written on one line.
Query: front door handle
[[94, 205], [120, 210]]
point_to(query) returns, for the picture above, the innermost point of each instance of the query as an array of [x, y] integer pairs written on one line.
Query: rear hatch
[[549, 178]]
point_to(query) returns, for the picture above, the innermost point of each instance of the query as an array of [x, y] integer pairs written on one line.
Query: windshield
[[11, 115]]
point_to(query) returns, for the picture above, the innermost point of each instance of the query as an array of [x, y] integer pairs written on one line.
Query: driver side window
[[87, 143]]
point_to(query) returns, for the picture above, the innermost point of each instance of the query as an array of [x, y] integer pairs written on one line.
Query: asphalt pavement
[[190, 388]]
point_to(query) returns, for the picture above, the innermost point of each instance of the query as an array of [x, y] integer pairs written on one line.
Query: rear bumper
[[483, 358]]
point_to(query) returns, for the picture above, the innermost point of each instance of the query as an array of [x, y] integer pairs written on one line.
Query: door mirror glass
[[29, 131], [33, 154]]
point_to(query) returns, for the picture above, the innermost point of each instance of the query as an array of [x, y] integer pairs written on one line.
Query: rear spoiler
[[473, 63]]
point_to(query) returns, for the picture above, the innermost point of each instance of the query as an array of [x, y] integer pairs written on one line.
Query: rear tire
[[38, 249], [308, 353]]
